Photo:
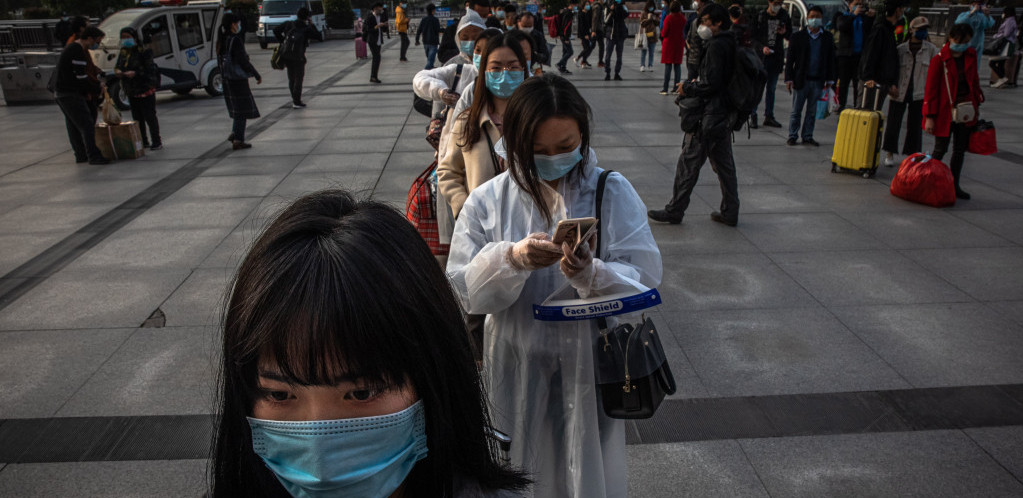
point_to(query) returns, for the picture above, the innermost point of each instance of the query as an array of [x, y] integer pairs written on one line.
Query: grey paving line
[[187, 437], [26, 277]]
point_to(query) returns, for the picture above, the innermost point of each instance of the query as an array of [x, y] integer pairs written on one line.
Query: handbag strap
[[454, 84], [601, 183], [493, 154], [948, 89]]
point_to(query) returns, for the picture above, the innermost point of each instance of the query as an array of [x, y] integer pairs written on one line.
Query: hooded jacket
[[716, 70]]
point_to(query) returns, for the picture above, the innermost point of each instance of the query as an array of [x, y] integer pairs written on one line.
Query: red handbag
[[982, 140], [421, 210], [924, 180]]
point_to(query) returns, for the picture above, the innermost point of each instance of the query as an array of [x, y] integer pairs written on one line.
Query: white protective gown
[[540, 375]]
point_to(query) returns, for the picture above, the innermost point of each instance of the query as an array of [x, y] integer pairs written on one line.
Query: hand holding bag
[[111, 115], [632, 369]]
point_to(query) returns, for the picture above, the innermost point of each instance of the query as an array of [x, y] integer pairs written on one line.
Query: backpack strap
[[601, 183]]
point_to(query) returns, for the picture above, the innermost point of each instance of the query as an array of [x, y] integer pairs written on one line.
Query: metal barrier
[[22, 35]]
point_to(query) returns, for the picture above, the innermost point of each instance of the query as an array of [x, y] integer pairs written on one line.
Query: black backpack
[[294, 41], [747, 85]]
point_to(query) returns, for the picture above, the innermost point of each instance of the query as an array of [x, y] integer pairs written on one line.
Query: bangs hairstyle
[[482, 99], [535, 101], [338, 288]]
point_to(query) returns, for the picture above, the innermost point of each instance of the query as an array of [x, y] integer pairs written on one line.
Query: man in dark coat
[[713, 140], [74, 87], [564, 25], [300, 31], [694, 44], [879, 65], [527, 23], [809, 69], [772, 28], [615, 14], [429, 30], [373, 27], [853, 28]]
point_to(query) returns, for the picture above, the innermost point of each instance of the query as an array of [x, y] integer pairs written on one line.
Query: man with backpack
[[712, 138], [293, 37], [563, 24]]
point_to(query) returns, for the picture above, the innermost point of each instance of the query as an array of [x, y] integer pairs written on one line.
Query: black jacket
[[880, 58], [765, 34], [140, 61], [585, 24], [448, 46], [845, 25], [797, 63], [539, 45], [305, 32], [370, 33], [429, 29], [615, 15], [716, 71], [564, 24], [694, 44], [72, 72]]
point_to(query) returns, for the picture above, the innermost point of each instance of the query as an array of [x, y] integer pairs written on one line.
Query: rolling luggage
[[858, 140], [360, 48]]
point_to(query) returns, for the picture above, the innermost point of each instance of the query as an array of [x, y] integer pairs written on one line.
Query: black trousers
[[848, 77], [404, 44], [375, 68], [914, 134], [600, 44], [143, 111], [614, 46], [695, 152], [998, 67], [296, 76], [588, 46], [959, 137], [80, 119]]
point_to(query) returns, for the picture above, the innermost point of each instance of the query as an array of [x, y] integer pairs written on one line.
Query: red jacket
[[673, 41], [936, 98]]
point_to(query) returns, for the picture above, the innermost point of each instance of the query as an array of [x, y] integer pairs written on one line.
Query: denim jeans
[[648, 52], [566, 52], [239, 129], [431, 54], [808, 97], [769, 89], [614, 46], [667, 76]]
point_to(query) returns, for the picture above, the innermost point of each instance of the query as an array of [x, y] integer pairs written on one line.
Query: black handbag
[[632, 369], [690, 109]]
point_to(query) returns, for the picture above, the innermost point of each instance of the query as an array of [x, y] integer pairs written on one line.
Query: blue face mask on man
[[368, 456], [128, 42], [551, 168], [466, 46], [503, 84], [814, 23], [920, 34]]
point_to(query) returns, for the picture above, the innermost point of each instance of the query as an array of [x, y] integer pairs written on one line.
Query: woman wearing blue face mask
[[540, 375], [952, 80], [346, 368], [139, 79]]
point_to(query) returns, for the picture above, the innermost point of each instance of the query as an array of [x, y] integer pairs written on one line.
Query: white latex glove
[[578, 265], [534, 252]]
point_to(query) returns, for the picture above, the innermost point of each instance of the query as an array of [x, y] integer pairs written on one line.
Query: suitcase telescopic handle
[[877, 97]]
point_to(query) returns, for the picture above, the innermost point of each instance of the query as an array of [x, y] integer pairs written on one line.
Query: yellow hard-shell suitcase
[[858, 140]]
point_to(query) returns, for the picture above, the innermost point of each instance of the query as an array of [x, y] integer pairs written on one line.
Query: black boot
[[957, 169]]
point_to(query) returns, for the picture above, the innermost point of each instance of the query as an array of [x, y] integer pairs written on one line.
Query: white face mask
[[704, 32]]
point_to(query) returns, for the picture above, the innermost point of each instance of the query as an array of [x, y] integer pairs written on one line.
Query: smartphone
[[574, 231]]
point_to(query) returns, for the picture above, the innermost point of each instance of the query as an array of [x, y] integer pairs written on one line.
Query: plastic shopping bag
[[822, 108], [111, 115], [924, 180], [833, 105]]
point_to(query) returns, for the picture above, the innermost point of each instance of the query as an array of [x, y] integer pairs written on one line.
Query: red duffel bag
[[982, 140], [924, 180]]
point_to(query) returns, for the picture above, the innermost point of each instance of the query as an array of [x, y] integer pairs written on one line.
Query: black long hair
[[337, 286], [535, 101], [224, 31]]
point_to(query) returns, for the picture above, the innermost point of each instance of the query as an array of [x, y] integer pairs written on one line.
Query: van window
[[208, 17], [189, 30], [316, 7], [282, 7], [157, 33]]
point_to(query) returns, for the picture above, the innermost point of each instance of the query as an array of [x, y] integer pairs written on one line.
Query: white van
[[273, 13], [183, 40]]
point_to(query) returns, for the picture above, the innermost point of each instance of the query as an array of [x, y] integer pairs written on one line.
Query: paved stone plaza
[[838, 342]]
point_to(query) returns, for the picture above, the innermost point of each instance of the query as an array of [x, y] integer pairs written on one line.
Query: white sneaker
[[889, 160], [1000, 83], [642, 68], [577, 64]]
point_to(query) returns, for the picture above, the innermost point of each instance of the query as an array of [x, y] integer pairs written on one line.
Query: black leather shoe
[[607, 77], [772, 123], [374, 80], [753, 123], [100, 161], [618, 78], [962, 194], [790, 141], [664, 216], [812, 142], [716, 216]]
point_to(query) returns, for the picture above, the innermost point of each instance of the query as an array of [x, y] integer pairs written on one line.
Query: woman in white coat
[[540, 375]]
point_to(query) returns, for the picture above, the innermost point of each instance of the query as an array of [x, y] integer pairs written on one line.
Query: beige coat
[[462, 169]]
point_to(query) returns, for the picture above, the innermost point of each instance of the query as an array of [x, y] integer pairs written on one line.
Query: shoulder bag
[[963, 112], [230, 67], [632, 369]]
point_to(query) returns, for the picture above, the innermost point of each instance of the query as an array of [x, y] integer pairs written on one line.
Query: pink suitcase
[[360, 48]]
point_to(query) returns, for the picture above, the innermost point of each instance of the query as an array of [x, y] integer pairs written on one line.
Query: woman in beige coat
[[470, 159]]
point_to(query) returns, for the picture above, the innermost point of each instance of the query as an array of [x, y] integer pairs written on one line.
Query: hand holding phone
[[574, 231]]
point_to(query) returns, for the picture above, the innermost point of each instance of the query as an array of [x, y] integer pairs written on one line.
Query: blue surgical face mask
[[586, 8], [368, 456], [920, 34], [503, 84], [500, 14], [958, 47], [815, 23], [476, 61], [466, 46], [651, 9], [94, 46], [128, 42], [618, 1], [551, 168]]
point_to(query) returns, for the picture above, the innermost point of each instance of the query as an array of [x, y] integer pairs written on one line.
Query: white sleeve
[[430, 83], [465, 99], [629, 249], [478, 269]]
